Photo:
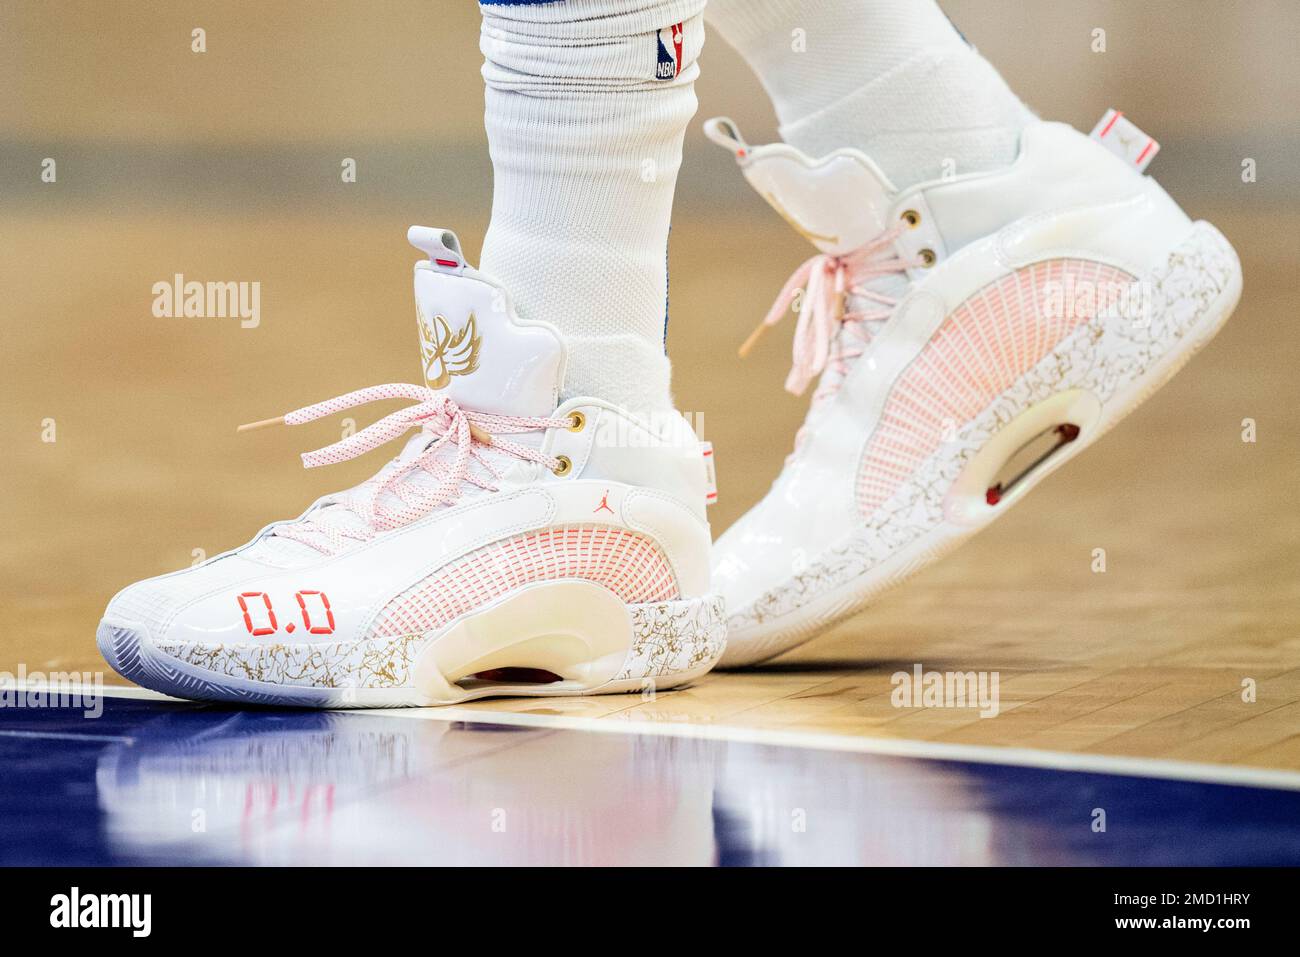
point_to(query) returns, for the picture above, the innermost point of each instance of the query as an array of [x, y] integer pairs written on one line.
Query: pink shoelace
[[471, 433], [825, 281]]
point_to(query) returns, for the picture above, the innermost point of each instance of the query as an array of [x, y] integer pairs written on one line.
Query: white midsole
[[575, 629]]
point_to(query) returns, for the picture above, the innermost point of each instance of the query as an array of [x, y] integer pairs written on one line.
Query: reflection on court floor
[[158, 783]]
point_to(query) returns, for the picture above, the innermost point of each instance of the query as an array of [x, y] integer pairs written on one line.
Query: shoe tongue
[[343, 517], [838, 203], [472, 344]]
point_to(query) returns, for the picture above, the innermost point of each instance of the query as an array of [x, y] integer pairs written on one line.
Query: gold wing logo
[[446, 353]]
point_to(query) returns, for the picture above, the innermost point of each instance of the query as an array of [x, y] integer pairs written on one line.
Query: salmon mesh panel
[[979, 352], [627, 563]]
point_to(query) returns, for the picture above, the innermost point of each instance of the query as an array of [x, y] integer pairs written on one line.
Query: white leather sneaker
[[516, 546], [970, 335]]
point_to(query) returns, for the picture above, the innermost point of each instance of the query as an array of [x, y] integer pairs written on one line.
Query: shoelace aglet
[[479, 435], [252, 426], [749, 343]]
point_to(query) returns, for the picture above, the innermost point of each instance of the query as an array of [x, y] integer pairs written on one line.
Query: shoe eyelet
[[927, 258], [564, 467], [578, 420], [911, 217]]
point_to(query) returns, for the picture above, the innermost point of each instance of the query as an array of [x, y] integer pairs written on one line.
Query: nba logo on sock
[[670, 52]]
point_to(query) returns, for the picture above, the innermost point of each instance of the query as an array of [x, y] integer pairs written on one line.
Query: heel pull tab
[[710, 474], [1123, 138], [726, 134], [441, 246]]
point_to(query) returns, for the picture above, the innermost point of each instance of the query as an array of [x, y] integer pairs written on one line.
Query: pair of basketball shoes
[[966, 337]]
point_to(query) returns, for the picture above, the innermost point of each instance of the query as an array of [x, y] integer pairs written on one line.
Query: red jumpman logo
[[604, 503]]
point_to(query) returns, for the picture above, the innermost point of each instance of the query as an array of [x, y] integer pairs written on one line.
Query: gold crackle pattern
[[669, 637], [382, 663], [673, 637]]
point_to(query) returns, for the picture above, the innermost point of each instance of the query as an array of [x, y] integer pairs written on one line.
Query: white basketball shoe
[[970, 335], [516, 546]]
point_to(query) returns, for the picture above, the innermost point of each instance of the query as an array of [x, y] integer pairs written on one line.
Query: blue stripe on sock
[[957, 28], [667, 280]]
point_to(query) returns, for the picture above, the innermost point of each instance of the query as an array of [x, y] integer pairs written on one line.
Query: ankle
[[624, 370]]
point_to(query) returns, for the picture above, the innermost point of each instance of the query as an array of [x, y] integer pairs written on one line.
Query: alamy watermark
[[54, 689], [1074, 298], [133, 912], [656, 429], [919, 688], [191, 299]]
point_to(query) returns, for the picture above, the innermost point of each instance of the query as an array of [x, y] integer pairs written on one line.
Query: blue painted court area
[[158, 783]]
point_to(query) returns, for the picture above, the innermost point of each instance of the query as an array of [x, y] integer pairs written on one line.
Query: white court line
[[131, 691], [67, 736], [85, 690], [888, 747]]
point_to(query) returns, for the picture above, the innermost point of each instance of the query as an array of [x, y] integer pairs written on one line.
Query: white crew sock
[[585, 122], [892, 78]]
